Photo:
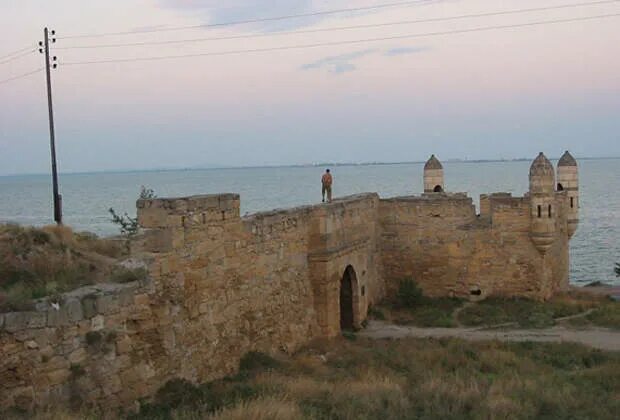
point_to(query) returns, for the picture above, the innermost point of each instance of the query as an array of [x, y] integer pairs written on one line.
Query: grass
[[524, 313], [607, 315], [39, 262], [181, 396], [406, 379], [429, 312], [411, 307]]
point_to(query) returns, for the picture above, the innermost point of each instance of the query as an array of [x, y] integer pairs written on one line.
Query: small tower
[[568, 180], [433, 176], [542, 194]]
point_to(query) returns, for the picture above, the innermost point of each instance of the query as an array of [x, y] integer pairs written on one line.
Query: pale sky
[[481, 95]]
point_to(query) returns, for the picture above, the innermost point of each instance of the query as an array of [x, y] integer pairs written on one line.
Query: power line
[[15, 57], [15, 52], [341, 28], [258, 20], [358, 41], [21, 76]]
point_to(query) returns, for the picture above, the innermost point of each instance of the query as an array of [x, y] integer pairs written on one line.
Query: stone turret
[[433, 176], [542, 191], [568, 180]]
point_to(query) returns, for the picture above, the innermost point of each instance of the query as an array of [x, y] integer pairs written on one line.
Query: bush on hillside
[[39, 262], [409, 294]]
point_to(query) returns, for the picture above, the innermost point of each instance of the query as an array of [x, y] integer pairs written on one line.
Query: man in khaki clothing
[[327, 181]]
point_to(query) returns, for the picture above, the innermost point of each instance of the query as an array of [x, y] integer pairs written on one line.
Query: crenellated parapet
[[168, 222]]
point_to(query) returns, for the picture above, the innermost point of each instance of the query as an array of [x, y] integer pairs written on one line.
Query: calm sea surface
[[87, 197]]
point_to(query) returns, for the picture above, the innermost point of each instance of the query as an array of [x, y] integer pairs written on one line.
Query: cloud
[[338, 64], [218, 11], [404, 51], [344, 63]]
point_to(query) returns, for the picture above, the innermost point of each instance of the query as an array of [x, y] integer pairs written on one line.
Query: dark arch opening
[[349, 279], [560, 187], [437, 188]]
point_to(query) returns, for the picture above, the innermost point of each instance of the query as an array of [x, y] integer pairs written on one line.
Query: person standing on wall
[[327, 181]]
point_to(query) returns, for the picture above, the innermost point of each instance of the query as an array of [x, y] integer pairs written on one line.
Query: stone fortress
[[221, 285]]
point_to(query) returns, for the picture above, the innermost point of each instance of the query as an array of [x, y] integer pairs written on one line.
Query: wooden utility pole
[[57, 197]]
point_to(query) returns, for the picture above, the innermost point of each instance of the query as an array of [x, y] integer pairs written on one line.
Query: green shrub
[[376, 313], [256, 361], [409, 294], [349, 335], [129, 225], [177, 392], [127, 275]]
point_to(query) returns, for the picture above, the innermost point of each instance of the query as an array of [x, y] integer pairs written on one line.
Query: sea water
[[595, 248]]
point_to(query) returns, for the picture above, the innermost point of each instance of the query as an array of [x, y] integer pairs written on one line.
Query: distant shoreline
[[306, 165]]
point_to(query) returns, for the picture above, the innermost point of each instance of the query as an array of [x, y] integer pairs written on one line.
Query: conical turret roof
[[567, 160], [541, 166], [433, 163]]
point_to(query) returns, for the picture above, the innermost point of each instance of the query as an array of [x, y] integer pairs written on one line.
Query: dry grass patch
[[406, 379], [261, 409], [38, 262]]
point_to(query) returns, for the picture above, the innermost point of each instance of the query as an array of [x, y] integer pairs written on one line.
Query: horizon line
[[292, 165]]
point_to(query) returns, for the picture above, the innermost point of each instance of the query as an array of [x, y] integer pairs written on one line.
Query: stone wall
[[221, 285], [91, 348], [440, 242]]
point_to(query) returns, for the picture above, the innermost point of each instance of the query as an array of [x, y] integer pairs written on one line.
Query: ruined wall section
[[504, 261], [422, 239], [95, 345], [219, 286], [440, 243], [225, 285]]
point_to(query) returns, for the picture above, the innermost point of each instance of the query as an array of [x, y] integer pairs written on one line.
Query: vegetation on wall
[[129, 225]]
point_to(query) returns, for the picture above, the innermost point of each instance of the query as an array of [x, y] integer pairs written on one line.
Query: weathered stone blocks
[[222, 285]]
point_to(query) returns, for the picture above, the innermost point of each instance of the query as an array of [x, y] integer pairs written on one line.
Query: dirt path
[[599, 338]]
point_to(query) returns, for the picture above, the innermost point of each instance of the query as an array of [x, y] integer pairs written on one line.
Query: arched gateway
[[348, 298]]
